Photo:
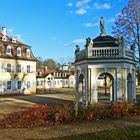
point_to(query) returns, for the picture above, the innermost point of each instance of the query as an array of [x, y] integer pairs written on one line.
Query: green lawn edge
[[117, 134]]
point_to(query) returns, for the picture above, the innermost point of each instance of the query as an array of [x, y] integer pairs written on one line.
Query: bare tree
[[127, 25]]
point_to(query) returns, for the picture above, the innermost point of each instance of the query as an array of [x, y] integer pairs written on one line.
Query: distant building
[[17, 66], [55, 79], [65, 67]]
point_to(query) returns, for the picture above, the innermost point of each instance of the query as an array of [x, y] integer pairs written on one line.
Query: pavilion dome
[[105, 41]]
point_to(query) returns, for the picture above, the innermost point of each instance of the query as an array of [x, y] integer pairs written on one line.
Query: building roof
[[105, 41], [14, 46], [45, 73]]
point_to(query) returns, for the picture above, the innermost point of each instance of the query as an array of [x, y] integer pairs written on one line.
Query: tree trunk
[[138, 35]]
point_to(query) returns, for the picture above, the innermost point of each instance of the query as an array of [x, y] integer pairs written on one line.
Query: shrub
[[40, 115], [43, 115], [121, 109]]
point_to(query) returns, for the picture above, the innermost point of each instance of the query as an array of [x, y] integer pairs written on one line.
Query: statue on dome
[[102, 26], [77, 48], [89, 42], [121, 41]]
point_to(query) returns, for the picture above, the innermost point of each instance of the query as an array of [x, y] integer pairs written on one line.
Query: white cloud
[[70, 4], [81, 11], [111, 20], [19, 37], [82, 3], [53, 38], [10, 31], [74, 42], [89, 24], [118, 14], [101, 6]]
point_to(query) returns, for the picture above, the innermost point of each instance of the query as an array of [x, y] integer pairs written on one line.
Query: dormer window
[[54, 74], [28, 53], [57, 74], [13, 40], [8, 50], [18, 51], [4, 38]]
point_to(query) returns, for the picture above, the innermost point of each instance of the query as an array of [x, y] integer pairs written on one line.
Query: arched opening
[[129, 86], [81, 88], [105, 87]]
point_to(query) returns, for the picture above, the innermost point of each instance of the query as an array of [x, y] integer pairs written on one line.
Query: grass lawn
[[119, 134]]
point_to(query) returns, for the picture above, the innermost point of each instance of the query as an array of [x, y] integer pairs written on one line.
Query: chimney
[[4, 31]]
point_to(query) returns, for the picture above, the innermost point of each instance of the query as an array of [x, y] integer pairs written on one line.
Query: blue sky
[[53, 27]]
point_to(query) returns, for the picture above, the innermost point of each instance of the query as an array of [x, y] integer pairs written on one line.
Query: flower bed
[[44, 115]]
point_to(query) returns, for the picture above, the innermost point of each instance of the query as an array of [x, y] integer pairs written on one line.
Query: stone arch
[[129, 86], [105, 88], [81, 88]]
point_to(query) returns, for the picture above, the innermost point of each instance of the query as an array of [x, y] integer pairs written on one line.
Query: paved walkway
[[10, 104]]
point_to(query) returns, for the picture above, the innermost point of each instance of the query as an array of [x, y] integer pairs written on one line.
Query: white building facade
[[17, 66], [55, 79], [105, 58]]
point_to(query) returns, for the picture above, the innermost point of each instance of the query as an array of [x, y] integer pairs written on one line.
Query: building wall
[[28, 79], [52, 82], [71, 81]]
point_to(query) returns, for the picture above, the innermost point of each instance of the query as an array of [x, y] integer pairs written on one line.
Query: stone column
[[89, 85], [123, 84], [94, 94], [118, 84], [125, 77], [86, 87], [134, 84]]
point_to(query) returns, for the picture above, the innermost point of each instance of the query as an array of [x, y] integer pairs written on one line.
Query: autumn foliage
[[44, 115]]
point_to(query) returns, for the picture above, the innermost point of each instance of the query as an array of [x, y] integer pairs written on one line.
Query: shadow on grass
[[118, 134], [43, 100]]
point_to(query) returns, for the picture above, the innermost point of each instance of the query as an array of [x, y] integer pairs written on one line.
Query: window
[[8, 67], [37, 83], [13, 40], [8, 50], [18, 51], [71, 82], [28, 68], [41, 83], [18, 84], [28, 52], [18, 68], [4, 38], [54, 82], [28, 85], [9, 85]]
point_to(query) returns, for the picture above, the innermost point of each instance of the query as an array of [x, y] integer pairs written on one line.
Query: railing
[[129, 53], [81, 55], [100, 52], [108, 52]]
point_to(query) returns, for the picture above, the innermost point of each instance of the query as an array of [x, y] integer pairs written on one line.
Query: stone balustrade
[[101, 52], [107, 52]]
